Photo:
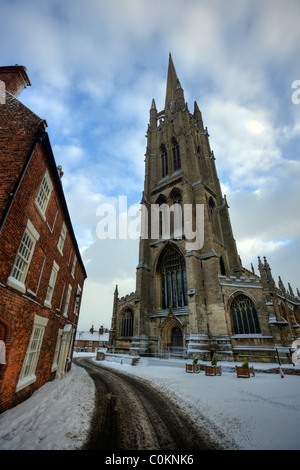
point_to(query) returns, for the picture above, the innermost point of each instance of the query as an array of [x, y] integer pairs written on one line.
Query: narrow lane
[[131, 415]]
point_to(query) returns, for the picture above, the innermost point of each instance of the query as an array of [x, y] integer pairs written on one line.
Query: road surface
[[131, 415]]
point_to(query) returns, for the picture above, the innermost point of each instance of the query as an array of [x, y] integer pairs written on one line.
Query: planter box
[[213, 370], [192, 368], [244, 372], [100, 356]]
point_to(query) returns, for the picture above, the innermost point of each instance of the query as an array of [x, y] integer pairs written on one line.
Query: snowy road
[[131, 415], [260, 413]]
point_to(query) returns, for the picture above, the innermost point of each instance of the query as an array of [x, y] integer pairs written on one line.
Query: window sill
[[12, 282], [25, 382], [47, 304]]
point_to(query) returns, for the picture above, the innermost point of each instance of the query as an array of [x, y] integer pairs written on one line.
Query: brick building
[[193, 296], [92, 340], [41, 270]]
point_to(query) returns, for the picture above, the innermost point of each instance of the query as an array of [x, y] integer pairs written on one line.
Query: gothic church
[[194, 302]]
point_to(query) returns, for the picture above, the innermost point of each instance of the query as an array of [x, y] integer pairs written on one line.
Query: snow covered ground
[[260, 413]]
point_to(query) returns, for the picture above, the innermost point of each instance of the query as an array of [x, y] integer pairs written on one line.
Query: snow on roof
[[89, 336]]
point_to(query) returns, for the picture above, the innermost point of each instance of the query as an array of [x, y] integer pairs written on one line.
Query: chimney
[[59, 171], [15, 78]]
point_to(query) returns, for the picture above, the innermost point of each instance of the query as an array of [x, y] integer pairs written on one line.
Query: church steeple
[[188, 259], [173, 84]]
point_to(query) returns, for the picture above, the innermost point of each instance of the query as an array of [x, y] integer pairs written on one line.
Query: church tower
[[177, 278], [187, 250]]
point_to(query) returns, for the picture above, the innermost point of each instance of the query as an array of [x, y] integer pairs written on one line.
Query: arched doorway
[[176, 342]]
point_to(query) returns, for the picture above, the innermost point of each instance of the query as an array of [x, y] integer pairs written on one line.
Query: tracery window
[[127, 323], [244, 315], [164, 161], [172, 276], [176, 154]]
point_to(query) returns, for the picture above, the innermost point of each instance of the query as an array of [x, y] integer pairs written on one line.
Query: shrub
[[214, 360]]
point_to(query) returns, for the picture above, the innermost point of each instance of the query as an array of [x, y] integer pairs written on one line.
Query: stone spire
[[265, 273], [173, 84], [291, 290], [281, 285], [198, 116], [153, 116]]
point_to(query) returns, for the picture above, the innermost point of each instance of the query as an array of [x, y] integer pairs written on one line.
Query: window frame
[[62, 238], [19, 282], [67, 303], [57, 350], [244, 315], [172, 279], [77, 302], [51, 285], [127, 323], [176, 155], [42, 200], [164, 161], [74, 266], [28, 371]]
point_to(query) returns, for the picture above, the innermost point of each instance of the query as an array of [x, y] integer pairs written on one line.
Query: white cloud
[[94, 70], [254, 127], [249, 248]]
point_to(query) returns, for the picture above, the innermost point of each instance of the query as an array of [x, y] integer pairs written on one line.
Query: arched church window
[[176, 154], [127, 323], [172, 277], [164, 161], [244, 315]]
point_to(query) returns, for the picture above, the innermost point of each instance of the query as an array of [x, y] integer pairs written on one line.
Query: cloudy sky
[[95, 66]]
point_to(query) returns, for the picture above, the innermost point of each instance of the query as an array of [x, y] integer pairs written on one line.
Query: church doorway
[[176, 342]]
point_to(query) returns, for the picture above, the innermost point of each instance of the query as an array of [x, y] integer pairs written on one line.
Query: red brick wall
[[17, 130], [17, 311]]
